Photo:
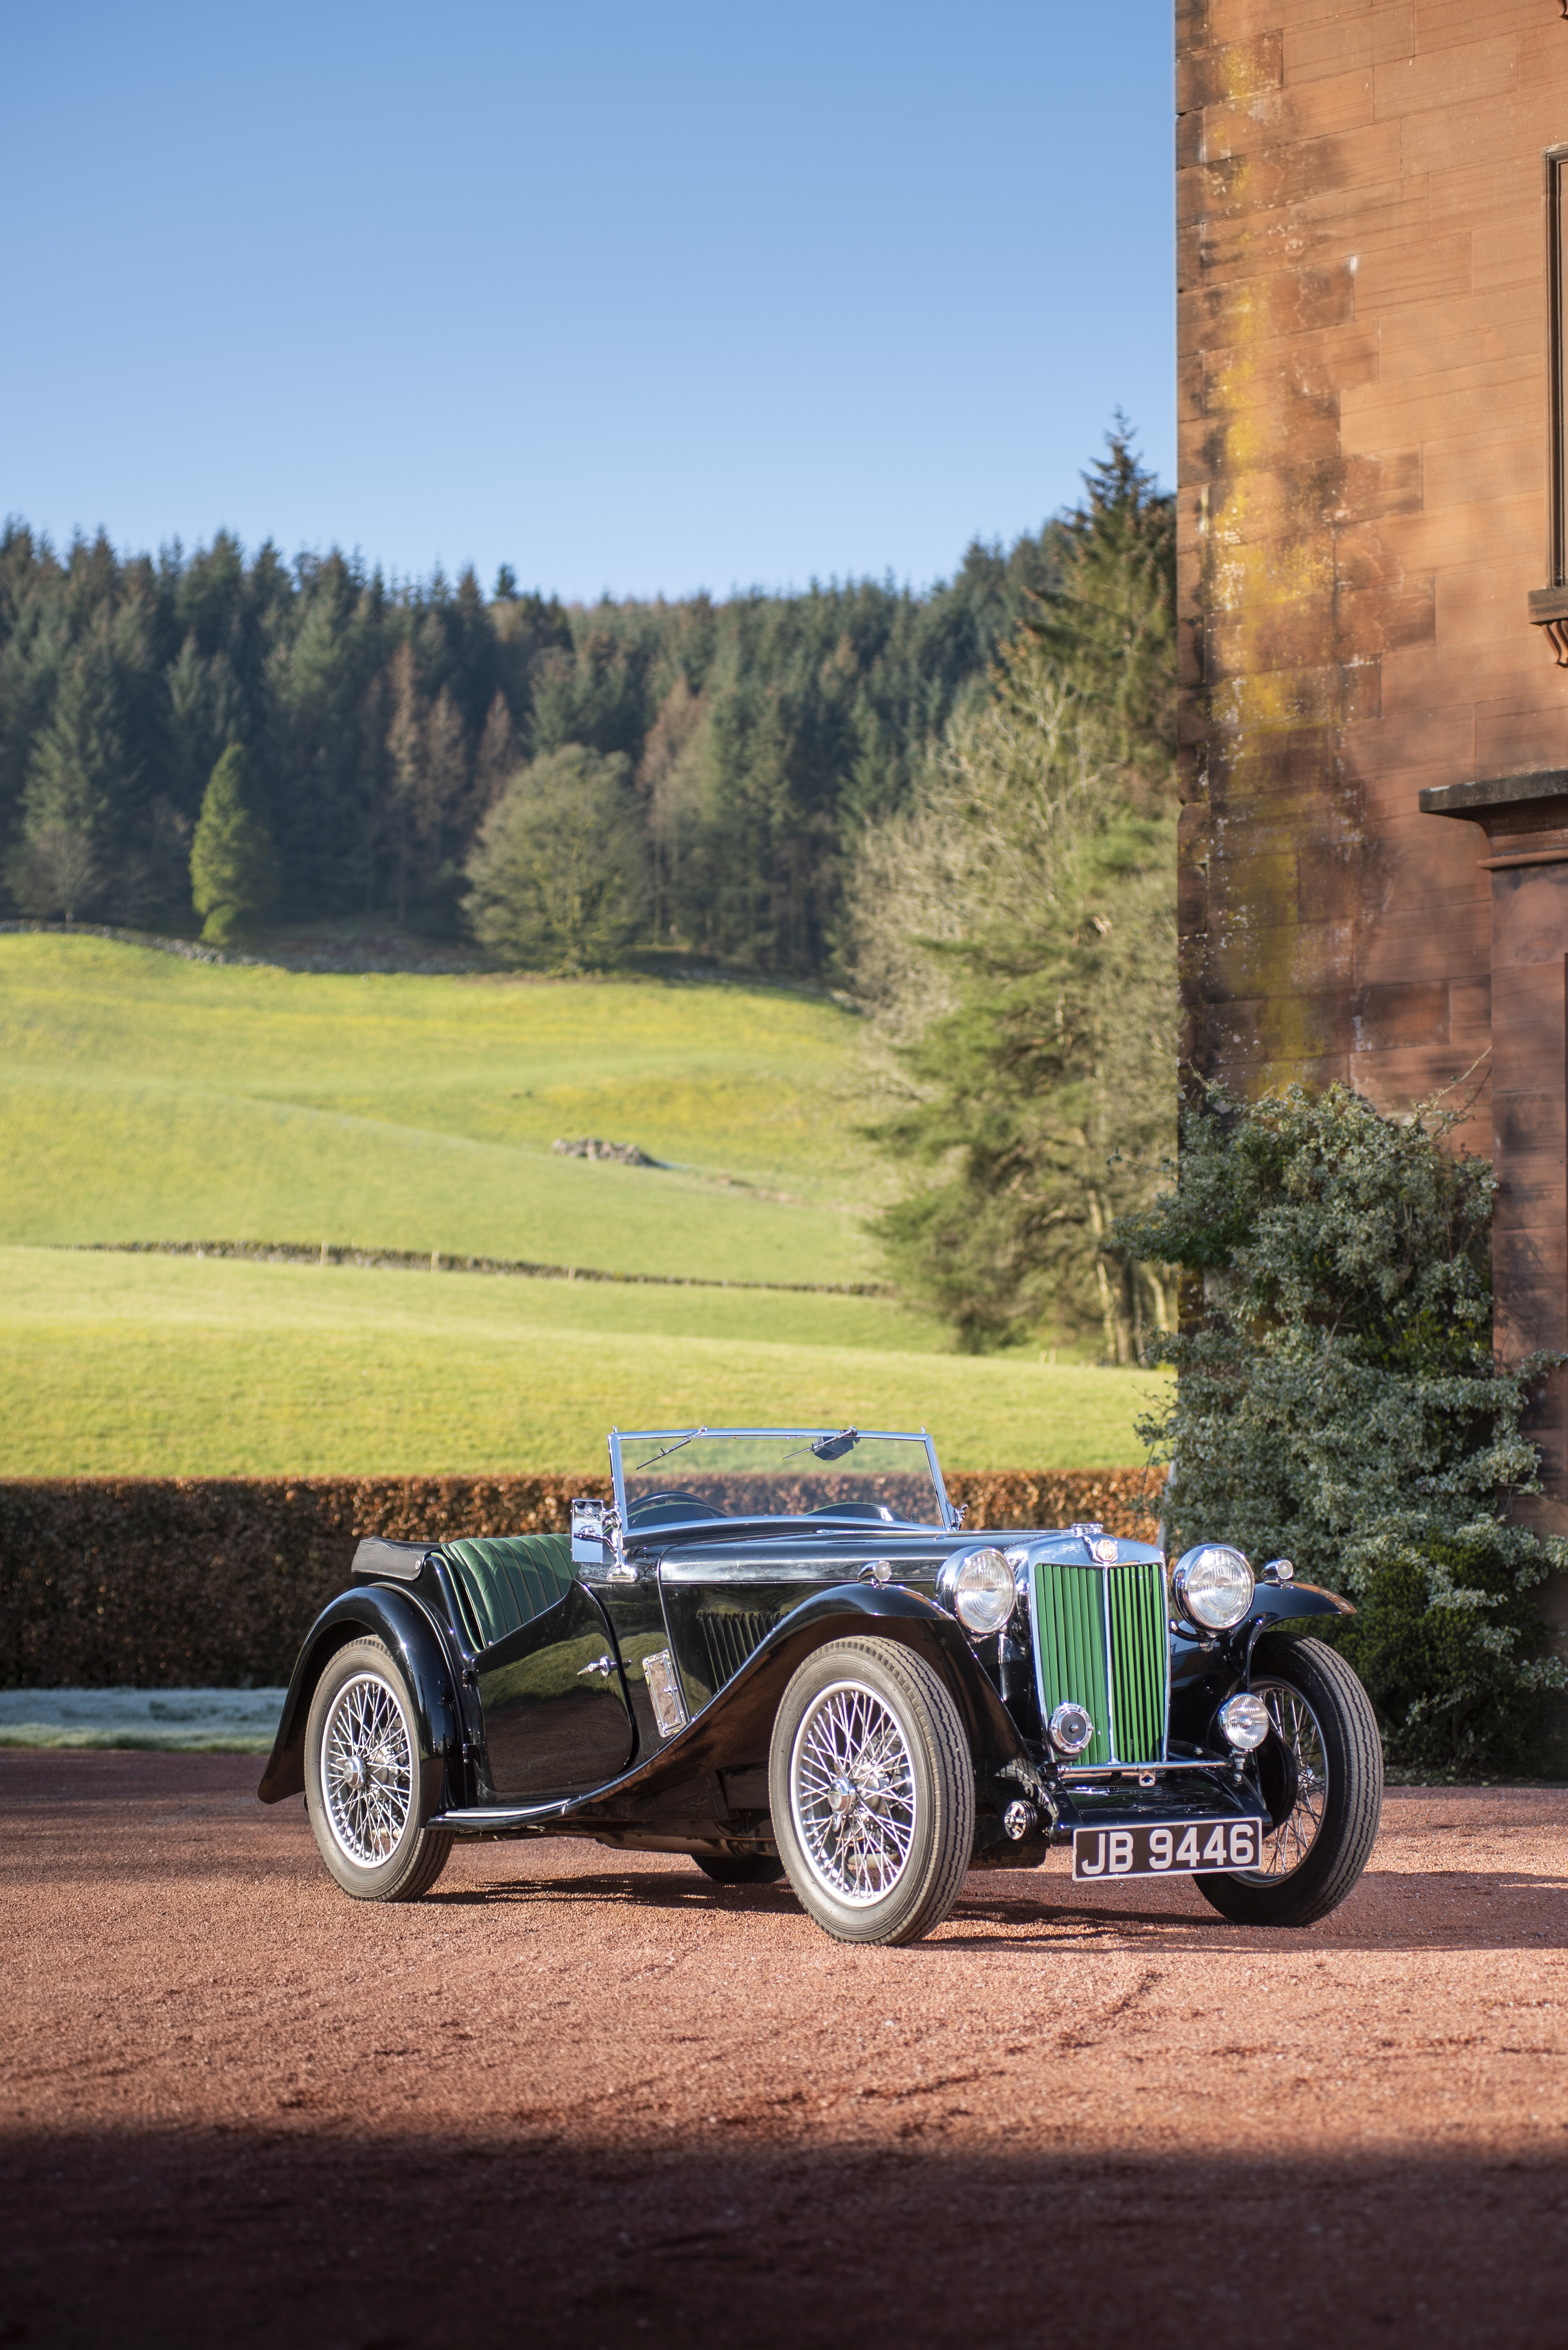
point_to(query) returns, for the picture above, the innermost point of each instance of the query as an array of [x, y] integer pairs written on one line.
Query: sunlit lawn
[[142, 1098], [145, 1097], [181, 1367]]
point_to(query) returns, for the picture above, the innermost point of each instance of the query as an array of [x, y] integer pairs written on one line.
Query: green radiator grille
[[1125, 1693]]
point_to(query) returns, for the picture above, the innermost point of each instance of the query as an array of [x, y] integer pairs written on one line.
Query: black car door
[[556, 1720]]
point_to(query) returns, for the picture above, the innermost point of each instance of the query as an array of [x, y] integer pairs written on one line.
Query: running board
[[491, 1819]]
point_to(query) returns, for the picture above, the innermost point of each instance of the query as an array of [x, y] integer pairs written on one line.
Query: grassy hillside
[[144, 1098], [164, 1365]]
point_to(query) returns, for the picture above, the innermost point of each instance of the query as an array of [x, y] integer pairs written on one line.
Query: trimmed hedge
[[211, 1583]]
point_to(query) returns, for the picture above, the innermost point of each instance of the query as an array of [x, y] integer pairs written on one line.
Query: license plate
[[1179, 1848]]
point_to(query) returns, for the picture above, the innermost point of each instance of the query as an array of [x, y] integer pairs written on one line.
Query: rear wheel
[[362, 1779], [871, 1786], [739, 1868], [1320, 1771]]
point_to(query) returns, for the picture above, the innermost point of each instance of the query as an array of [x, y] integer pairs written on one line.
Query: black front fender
[[399, 1620], [1274, 1601], [1205, 1670], [733, 1730]]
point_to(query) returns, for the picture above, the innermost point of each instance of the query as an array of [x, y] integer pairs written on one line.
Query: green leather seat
[[504, 1581]]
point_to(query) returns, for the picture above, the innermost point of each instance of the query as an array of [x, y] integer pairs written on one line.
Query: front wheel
[[871, 1786], [362, 1779], [1320, 1771]]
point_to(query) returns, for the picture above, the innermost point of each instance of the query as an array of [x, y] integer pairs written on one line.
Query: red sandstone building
[[1373, 498]]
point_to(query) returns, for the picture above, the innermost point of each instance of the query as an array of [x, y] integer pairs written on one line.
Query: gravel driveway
[[583, 2097]]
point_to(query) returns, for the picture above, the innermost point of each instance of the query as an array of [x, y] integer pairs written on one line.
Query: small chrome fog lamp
[[1018, 1819], [1244, 1718], [1072, 1729], [978, 1586], [1213, 1585]]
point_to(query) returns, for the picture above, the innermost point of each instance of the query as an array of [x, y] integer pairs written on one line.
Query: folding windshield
[[682, 1476]]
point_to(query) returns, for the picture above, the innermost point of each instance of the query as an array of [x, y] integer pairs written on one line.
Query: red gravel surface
[[579, 2097]]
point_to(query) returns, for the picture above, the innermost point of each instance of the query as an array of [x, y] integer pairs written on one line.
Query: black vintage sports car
[[777, 1650]]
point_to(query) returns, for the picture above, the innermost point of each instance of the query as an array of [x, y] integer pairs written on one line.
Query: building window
[[1557, 405], [1549, 605]]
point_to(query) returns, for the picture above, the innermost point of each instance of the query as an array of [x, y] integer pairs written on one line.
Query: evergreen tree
[[81, 759], [669, 778], [1013, 934], [498, 759], [1042, 1106], [444, 809], [406, 752], [1109, 620], [234, 865]]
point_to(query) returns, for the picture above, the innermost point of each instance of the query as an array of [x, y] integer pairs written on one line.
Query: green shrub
[[1450, 1646], [1338, 1402], [557, 878]]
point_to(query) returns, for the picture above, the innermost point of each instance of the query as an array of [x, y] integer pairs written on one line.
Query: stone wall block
[[1333, 42], [1286, 302], [1447, 80], [1517, 742], [1230, 75]]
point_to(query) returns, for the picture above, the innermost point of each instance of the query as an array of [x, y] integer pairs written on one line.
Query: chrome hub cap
[[851, 1794], [1296, 1728], [367, 1770]]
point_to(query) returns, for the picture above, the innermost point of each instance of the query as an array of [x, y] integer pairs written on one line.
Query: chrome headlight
[[1214, 1585], [978, 1587], [1244, 1718]]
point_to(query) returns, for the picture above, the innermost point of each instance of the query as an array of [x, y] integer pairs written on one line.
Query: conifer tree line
[[735, 750]]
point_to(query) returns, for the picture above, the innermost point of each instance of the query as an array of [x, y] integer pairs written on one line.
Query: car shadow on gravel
[[1475, 1909], [1469, 1910], [640, 1890]]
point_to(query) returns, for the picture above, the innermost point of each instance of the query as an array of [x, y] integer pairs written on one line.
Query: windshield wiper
[[668, 1449]]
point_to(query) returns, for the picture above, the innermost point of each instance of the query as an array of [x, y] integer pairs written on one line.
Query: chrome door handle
[[605, 1665]]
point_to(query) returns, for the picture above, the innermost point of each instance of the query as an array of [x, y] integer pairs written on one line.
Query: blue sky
[[636, 298]]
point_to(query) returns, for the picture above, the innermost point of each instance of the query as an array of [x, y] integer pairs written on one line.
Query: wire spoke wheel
[[370, 1791], [367, 1770], [1300, 1734], [1320, 1773], [851, 1794]]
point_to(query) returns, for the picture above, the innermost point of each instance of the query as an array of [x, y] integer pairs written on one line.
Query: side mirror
[[588, 1532], [596, 1541]]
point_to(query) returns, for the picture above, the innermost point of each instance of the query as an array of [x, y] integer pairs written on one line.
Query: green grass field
[[146, 1098], [142, 1098], [176, 1366]]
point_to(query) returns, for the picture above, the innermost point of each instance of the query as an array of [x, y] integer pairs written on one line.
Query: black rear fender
[[392, 1617]]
